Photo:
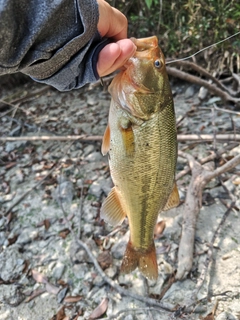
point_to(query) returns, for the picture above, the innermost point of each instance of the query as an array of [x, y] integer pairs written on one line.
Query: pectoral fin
[[127, 136], [111, 210], [106, 141], [173, 200]]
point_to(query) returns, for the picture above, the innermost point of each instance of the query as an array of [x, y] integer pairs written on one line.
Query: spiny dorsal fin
[[173, 200], [106, 141], [111, 210]]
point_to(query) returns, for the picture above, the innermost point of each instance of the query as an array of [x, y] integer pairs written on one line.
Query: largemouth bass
[[142, 145]]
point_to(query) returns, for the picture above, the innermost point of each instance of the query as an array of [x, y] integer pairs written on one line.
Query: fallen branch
[[84, 138], [193, 203], [211, 157], [205, 73], [196, 80]]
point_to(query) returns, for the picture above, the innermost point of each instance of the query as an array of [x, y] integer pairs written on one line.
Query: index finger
[[112, 23]]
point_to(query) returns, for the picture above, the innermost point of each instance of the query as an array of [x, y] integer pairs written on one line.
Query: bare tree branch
[[181, 138], [212, 88]]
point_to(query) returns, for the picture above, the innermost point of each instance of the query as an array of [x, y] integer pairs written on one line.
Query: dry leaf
[[61, 315], [10, 165], [72, 299], [210, 316], [39, 277], [52, 289], [104, 259], [46, 223], [35, 294], [12, 240], [100, 310], [63, 234], [159, 228]]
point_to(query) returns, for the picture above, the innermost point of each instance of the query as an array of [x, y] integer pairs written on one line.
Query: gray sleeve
[[53, 41]]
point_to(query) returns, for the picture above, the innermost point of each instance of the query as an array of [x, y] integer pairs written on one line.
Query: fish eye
[[157, 63]]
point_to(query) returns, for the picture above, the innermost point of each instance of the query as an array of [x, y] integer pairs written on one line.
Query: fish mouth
[[145, 46]]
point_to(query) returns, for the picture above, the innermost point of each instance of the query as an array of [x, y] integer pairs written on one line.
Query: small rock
[[98, 281], [58, 270], [119, 247], [88, 149], [202, 94], [179, 291], [27, 235], [37, 167], [11, 263], [96, 189], [225, 316], [189, 92], [2, 238], [88, 229], [129, 317], [111, 272], [86, 128], [10, 146], [61, 295], [155, 287], [91, 100], [11, 294], [64, 192], [94, 157], [80, 270]]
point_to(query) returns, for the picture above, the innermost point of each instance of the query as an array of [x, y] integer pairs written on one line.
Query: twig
[[84, 138], [80, 213], [211, 157], [212, 88], [225, 110], [203, 72]]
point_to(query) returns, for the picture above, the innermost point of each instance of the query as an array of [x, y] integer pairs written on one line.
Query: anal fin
[[145, 260], [173, 200], [111, 210]]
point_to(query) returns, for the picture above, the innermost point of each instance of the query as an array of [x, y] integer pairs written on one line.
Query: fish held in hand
[[141, 141]]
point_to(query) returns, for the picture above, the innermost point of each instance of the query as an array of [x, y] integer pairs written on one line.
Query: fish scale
[[142, 146]]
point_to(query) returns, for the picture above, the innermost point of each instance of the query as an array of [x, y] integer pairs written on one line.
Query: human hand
[[113, 24]]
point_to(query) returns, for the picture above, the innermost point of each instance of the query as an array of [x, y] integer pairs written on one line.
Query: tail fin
[[145, 260]]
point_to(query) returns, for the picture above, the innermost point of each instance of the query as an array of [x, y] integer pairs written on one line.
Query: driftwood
[[193, 203]]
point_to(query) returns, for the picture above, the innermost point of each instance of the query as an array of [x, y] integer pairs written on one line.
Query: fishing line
[[212, 45]]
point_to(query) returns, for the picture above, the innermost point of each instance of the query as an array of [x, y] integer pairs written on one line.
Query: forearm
[[51, 41]]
